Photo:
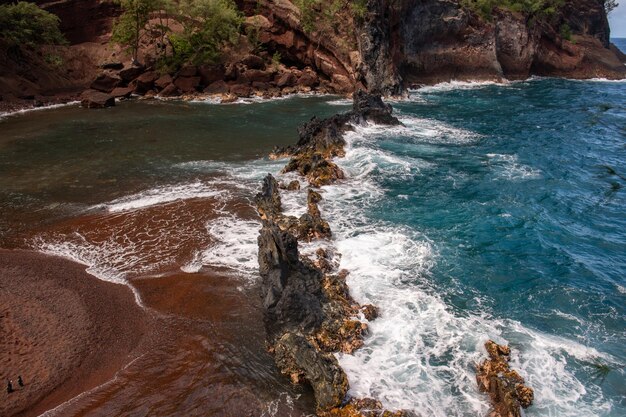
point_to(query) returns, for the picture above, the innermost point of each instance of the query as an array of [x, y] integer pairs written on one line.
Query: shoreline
[[8, 108], [66, 331]]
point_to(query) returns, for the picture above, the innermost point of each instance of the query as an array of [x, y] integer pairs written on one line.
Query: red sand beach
[[63, 330]]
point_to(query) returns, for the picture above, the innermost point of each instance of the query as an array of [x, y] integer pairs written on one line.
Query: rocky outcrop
[[378, 70], [440, 40], [308, 227], [308, 311], [326, 45], [93, 99], [83, 20], [321, 140], [293, 302], [505, 386]]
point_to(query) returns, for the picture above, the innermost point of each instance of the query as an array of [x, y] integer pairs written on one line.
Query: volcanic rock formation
[[309, 313]]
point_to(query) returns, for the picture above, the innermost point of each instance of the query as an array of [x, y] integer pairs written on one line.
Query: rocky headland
[[327, 47], [308, 312]]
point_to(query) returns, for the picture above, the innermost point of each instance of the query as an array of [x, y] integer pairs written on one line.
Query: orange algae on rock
[[504, 385]]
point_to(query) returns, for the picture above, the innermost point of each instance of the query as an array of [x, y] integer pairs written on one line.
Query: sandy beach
[[63, 330]]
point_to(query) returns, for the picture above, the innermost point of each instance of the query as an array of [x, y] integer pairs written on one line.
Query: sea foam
[[421, 352]]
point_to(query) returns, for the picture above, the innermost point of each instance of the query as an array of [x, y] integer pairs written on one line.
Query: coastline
[[9, 108], [65, 331], [322, 208]]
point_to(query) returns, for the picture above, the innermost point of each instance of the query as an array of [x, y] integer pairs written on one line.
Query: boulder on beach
[[105, 82], [170, 90], [122, 92], [187, 84], [130, 73], [93, 99]]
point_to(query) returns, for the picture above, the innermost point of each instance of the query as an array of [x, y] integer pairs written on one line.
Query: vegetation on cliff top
[[321, 14], [530, 7], [24, 24], [207, 26]]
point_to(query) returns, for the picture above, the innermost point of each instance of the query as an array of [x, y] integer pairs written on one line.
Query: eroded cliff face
[[440, 40], [396, 44], [387, 47]]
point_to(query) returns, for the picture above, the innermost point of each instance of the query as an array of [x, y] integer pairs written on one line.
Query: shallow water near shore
[[494, 212]]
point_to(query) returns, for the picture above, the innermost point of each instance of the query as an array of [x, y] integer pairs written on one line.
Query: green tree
[[210, 24], [129, 28], [24, 24]]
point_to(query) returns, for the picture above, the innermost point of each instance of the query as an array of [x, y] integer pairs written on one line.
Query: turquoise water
[[497, 211]]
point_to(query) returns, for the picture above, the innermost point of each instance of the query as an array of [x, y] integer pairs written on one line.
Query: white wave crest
[[421, 352], [457, 85], [37, 109], [163, 195], [509, 167], [97, 258], [234, 247]]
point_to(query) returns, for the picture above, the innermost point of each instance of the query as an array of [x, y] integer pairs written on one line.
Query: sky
[[617, 19]]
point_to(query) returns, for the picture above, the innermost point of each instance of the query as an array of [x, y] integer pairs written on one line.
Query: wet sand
[[213, 361], [62, 329]]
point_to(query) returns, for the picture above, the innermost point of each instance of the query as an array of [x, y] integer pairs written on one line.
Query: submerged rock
[[504, 385]]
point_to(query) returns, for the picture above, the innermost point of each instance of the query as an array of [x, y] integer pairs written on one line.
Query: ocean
[[495, 212], [620, 43]]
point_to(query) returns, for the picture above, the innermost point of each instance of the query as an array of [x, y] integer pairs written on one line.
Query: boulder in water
[[92, 99], [504, 385]]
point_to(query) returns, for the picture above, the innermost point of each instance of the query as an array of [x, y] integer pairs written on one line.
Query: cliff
[[438, 40], [396, 44], [383, 47]]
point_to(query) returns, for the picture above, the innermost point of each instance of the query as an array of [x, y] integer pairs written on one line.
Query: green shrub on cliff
[[610, 5], [129, 28], [530, 7], [211, 25], [207, 25], [359, 8], [26, 25], [321, 15]]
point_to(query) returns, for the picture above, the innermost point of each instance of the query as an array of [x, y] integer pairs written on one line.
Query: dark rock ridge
[[308, 311], [504, 385], [377, 40], [321, 140]]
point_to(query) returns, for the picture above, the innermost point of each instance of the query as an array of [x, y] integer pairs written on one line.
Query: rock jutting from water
[[309, 313], [504, 385], [321, 140]]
